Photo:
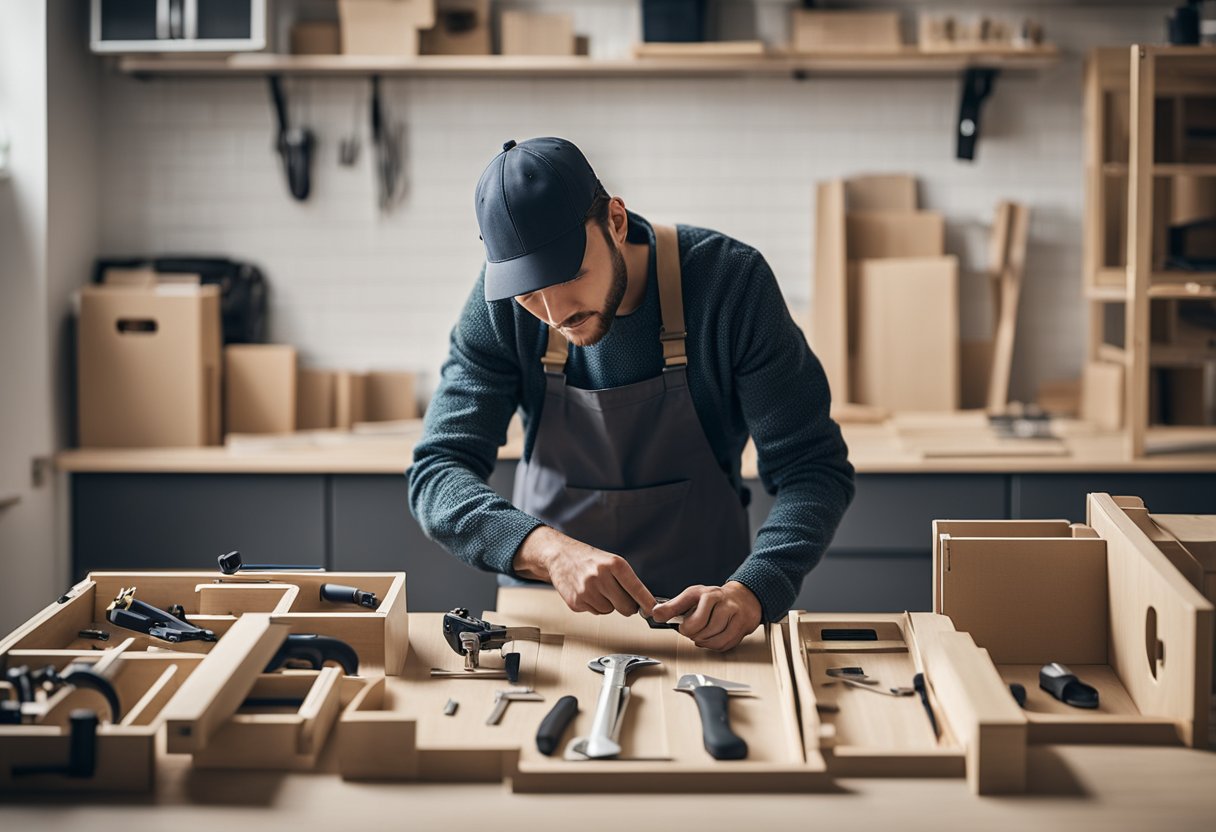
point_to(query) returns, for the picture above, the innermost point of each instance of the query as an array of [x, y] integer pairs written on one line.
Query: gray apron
[[629, 470]]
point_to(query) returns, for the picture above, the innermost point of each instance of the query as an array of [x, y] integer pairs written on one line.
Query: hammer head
[[689, 681]]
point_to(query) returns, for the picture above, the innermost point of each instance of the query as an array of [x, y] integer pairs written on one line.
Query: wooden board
[[830, 295], [877, 234], [1007, 260]]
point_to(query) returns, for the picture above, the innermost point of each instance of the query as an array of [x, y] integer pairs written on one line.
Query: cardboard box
[[148, 366], [390, 397], [876, 234], [840, 31], [350, 399], [384, 27], [316, 37], [462, 27], [536, 33], [907, 341], [314, 400], [1102, 395], [259, 388]]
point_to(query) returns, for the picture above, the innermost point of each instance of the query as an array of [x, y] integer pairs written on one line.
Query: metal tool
[[125, 611], [315, 650], [713, 702], [387, 140], [918, 684], [27, 683], [231, 563], [294, 144], [468, 635], [855, 674], [883, 691], [339, 594], [98, 635], [672, 623], [609, 708], [503, 698], [554, 725], [82, 749], [449, 709]]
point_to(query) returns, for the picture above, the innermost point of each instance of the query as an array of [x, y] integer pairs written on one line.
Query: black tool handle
[[341, 594], [720, 740], [554, 725]]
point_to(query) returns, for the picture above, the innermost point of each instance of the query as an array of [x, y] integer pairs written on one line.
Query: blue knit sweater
[[749, 371]]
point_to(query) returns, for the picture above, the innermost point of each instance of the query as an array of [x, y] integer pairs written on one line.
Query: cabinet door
[[180, 521], [373, 530], [1050, 496]]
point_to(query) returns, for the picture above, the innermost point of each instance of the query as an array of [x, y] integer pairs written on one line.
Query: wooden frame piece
[[1007, 258]]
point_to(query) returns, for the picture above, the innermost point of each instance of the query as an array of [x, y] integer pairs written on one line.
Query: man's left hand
[[715, 617]]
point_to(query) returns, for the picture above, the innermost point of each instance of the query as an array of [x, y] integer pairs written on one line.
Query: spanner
[[610, 707]]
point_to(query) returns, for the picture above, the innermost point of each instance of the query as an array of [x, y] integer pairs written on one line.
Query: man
[[641, 359]]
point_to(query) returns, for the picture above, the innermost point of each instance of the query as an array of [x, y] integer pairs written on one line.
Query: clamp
[[125, 611], [468, 635]]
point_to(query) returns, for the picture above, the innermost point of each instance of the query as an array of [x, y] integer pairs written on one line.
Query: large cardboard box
[[315, 37], [148, 366], [390, 397], [872, 234], [259, 388], [535, 33], [350, 399], [314, 400], [462, 27], [845, 31], [384, 27], [907, 333]]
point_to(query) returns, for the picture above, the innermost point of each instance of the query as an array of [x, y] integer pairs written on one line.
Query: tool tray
[[397, 729], [1099, 598], [199, 687], [862, 733]]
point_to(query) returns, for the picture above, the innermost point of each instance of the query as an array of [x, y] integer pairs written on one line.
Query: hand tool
[[82, 749], [99, 635], [884, 692], [450, 708], [26, 684], [339, 594], [294, 144], [609, 708], [1064, 685], [1018, 692], [316, 650], [124, 611], [918, 682], [231, 563], [468, 635], [503, 698], [387, 139], [554, 725], [672, 623], [855, 674], [713, 697]]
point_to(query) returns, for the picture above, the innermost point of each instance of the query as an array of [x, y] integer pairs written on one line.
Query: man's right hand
[[588, 579]]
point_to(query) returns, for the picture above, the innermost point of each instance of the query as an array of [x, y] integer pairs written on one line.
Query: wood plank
[[829, 297], [1139, 248]]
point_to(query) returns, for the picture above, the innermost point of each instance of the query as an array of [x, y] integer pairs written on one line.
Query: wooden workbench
[[1073, 788]]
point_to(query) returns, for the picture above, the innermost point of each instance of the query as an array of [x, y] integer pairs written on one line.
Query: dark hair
[[597, 212]]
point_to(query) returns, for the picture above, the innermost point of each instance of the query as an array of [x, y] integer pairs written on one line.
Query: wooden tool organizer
[[199, 688], [864, 733], [399, 731], [1099, 598]]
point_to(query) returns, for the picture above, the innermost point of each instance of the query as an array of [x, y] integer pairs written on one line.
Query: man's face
[[584, 307]]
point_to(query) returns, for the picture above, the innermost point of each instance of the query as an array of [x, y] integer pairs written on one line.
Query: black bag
[[242, 289]]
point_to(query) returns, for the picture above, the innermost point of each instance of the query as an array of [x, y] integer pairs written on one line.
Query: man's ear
[[618, 220]]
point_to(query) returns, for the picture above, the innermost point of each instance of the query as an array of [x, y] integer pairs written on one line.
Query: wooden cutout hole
[[1153, 646]]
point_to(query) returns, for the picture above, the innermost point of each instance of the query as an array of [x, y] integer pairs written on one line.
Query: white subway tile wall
[[188, 166]]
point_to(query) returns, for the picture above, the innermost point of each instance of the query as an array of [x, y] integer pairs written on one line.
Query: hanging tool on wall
[[388, 140], [977, 85], [125, 611], [468, 635], [294, 144]]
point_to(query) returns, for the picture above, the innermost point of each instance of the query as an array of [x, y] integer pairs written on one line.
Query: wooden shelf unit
[[1147, 167], [774, 63]]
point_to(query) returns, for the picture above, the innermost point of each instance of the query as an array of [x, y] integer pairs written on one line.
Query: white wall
[[189, 166]]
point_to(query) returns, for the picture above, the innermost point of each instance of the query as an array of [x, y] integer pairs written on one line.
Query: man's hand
[[588, 579], [715, 617]]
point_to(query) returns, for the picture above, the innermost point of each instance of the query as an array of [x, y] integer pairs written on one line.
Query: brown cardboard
[[975, 369], [148, 366], [875, 234], [384, 27], [1028, 600], [536, 33], [314, 400], [390, 397], [462, 27], [886, 192], [907, 343], [350, 399], [259, 388], [1102, 394], [316, 37], [845, 31]]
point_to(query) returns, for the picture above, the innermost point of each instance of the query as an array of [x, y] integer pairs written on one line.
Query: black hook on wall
[[294, 144], [977, 86]]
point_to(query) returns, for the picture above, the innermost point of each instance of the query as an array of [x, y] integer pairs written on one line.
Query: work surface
[[955, 443], [1072, 787]]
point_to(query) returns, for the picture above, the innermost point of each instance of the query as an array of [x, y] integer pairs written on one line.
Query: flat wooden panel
[[878, 234], [830, 309]]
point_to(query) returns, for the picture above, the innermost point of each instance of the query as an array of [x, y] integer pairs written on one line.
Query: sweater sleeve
[[479, 390], [803, 459]]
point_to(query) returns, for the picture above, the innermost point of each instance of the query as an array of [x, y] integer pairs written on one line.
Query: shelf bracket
[[977, 86]]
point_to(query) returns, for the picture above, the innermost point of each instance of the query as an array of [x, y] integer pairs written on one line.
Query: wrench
[[610, 707]]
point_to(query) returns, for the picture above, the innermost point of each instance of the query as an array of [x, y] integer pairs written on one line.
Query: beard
[[612, 302]]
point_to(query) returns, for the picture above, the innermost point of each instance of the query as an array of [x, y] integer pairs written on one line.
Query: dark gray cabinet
[[1037, 496]]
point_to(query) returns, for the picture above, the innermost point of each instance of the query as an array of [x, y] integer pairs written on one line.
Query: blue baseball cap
[[531, 203]]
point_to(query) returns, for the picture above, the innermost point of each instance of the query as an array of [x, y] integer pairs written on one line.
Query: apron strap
[[671, 307]]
